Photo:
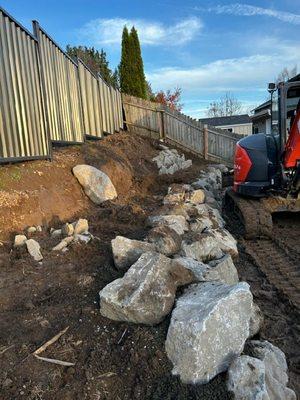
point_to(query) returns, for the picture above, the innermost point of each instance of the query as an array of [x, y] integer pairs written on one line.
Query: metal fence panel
[[22, 124], [91, 103], [62, 92]]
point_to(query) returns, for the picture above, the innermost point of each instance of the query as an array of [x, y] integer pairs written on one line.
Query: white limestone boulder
[[226, 241], [96, 184], [208, 329], [146, 293], [128, 251], [202, 247]]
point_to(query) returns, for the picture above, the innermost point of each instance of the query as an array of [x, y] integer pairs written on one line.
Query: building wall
[[262, 126], [242, 129]]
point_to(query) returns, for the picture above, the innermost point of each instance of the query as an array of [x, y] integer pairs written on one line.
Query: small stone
[[31, 229], [67, 229], [63, 243], [82, 238], [39, 228], [7, 382], [81, 226], [55, 232], [20, 240], [33, 248]]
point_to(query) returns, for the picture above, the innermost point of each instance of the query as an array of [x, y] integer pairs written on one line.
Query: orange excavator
[[267, 166]]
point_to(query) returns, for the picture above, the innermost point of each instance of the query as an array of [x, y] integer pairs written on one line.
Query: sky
[[206, 48]]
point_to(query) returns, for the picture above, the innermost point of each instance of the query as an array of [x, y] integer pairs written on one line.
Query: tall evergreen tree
[[125, 69], [139, 80], [131, 69]]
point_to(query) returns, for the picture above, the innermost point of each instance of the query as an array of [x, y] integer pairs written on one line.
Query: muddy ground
[[112, 360]]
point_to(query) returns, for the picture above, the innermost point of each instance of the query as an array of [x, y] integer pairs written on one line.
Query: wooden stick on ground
[[51, 341], [55, 361]]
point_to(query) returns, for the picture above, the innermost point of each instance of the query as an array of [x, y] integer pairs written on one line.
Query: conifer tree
[[125, 69], [139, 80]]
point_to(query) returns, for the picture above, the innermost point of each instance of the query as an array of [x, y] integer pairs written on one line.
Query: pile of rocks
[[77, 231], [169, 161], [215, 316]]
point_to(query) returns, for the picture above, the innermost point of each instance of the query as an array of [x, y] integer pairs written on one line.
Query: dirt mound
[[35, 193]]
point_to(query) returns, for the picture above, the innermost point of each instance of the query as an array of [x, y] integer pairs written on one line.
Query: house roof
[[230, 120]]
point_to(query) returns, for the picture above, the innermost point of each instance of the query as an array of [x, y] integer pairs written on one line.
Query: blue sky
[[204, 47]]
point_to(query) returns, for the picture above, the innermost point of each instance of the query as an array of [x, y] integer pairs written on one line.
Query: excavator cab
[[267, 163]]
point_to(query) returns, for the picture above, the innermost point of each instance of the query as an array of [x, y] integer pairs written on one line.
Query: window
[[230, 129]]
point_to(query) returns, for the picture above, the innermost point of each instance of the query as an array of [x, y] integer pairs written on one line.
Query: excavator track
[[280, 268], [274, 249], [256, 219]]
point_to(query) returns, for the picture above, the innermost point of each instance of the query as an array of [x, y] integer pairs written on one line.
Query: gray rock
[[81, 226], [176, 193], [221, 167], [202, 247], [63, 243], [256, 320], [246, 379], [196, 196], [86, 238], [34, 249], [146, 293], [208, 329], [201, 184], [20, 240], [96, 184], [226, 241], [275, 369], [67, 229], [55, 233], [128, 251], [176, 222], [225, 271], [222, 270], [200, 224], [166, 240]]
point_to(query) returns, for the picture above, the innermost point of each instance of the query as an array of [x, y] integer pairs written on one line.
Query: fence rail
[[46, 96], [160, 122]]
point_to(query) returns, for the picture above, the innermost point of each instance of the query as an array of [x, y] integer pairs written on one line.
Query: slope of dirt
[[112, 360]]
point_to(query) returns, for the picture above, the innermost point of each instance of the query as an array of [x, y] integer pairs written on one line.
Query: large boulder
[[222, 270], [176, 222], [146, 293], [208, 329], [275, 369], [166, 240], [176, 193], [261, 376], [226, 241], [128, 251], [96, 184]]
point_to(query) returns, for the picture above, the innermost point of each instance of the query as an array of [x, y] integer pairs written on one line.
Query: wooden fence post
[[205, 142], [161, 124]]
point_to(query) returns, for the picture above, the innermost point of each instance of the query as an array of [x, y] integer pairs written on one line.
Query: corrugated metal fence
[[161, 122], [45, 96]]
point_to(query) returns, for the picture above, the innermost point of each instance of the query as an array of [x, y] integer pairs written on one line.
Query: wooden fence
[[160, 122]]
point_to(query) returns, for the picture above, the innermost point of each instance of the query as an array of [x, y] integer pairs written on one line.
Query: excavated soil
[[112, 360]]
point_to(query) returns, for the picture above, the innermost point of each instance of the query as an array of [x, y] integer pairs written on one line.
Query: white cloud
[[109, 31], [250, 73], [248, 10]]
